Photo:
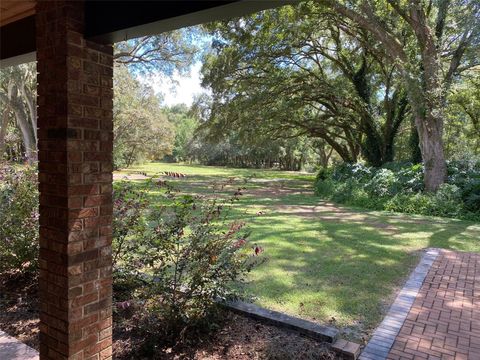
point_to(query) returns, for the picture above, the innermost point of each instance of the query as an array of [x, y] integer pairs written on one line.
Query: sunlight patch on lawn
[[324, 261]]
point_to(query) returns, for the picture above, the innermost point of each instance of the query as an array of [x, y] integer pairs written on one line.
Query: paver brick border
[[384, 336]]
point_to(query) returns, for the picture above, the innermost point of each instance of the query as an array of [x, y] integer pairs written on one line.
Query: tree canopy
[[141, 130], [432, 43], [321, 69], [371, 81]]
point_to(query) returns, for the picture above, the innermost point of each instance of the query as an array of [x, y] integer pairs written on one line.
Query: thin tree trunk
[[414, 144], [3, 131], [28, 138]]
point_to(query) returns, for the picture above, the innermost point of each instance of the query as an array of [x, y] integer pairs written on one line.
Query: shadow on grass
[[344, 270], [325, 262]]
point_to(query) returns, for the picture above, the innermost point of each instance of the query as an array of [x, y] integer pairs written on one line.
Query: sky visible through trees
[[178, 89]]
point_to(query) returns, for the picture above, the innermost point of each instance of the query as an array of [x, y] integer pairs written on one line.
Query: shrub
[[173, 260], [382, 183], [471, 195], [18, 219], [188, 257], [399, 187], [409, 204], [130, 201], [344, 190], [466, 175], [325, 188], [347, 171], [324, 174], [410, 178], [447, 201]]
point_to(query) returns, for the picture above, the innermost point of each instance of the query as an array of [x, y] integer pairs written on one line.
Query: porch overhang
[[107, 22]]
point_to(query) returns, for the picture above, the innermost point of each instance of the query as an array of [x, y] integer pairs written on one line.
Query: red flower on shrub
[[239, 243], [123, 305]]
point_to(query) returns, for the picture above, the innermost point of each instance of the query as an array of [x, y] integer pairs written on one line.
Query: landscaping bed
[[236, 337]]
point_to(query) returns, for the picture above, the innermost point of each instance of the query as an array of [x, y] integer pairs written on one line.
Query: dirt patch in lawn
[[275, 189], [237, 338], [133, 176], [323, 210]]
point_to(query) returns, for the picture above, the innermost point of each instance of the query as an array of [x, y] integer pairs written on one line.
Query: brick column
[[75, 100]]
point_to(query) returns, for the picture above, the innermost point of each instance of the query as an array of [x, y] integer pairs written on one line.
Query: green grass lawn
[[325, 262]]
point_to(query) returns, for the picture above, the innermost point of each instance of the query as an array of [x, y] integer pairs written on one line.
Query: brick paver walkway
[[443, 322]]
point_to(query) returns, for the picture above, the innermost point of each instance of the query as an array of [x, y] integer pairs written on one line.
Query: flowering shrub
[[172, 259], [190, 255], [399, 187], [18, 219], [130, 201]]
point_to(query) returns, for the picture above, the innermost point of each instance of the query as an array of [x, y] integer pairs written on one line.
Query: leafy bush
[[189, 256], [399, 187], [466, 175], [130, 200], [347, 171], [18, 219], [471, 195], [447, 201], [172, 261], [409, 178], [382, 184], [410, 204], [344, 191]]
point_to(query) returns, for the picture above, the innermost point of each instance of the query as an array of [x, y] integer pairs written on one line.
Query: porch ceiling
[[111, 21], [13, 10]]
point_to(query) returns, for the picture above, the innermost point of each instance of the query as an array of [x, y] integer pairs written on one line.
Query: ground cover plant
[[325, 262], [398, 187]]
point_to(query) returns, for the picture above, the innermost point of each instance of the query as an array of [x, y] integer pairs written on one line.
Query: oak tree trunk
[[430, 132]]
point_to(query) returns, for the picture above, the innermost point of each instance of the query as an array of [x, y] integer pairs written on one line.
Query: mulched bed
[[237, 338], [19, 308]]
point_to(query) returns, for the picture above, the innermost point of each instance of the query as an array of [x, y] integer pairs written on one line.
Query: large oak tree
[[432, 43], [298, 71]]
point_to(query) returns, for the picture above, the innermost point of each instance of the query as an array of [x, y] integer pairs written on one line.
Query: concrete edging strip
[[384, 336], [304, 327], [12, 349]]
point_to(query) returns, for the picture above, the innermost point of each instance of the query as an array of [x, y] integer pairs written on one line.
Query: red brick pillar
[[75, 175]]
